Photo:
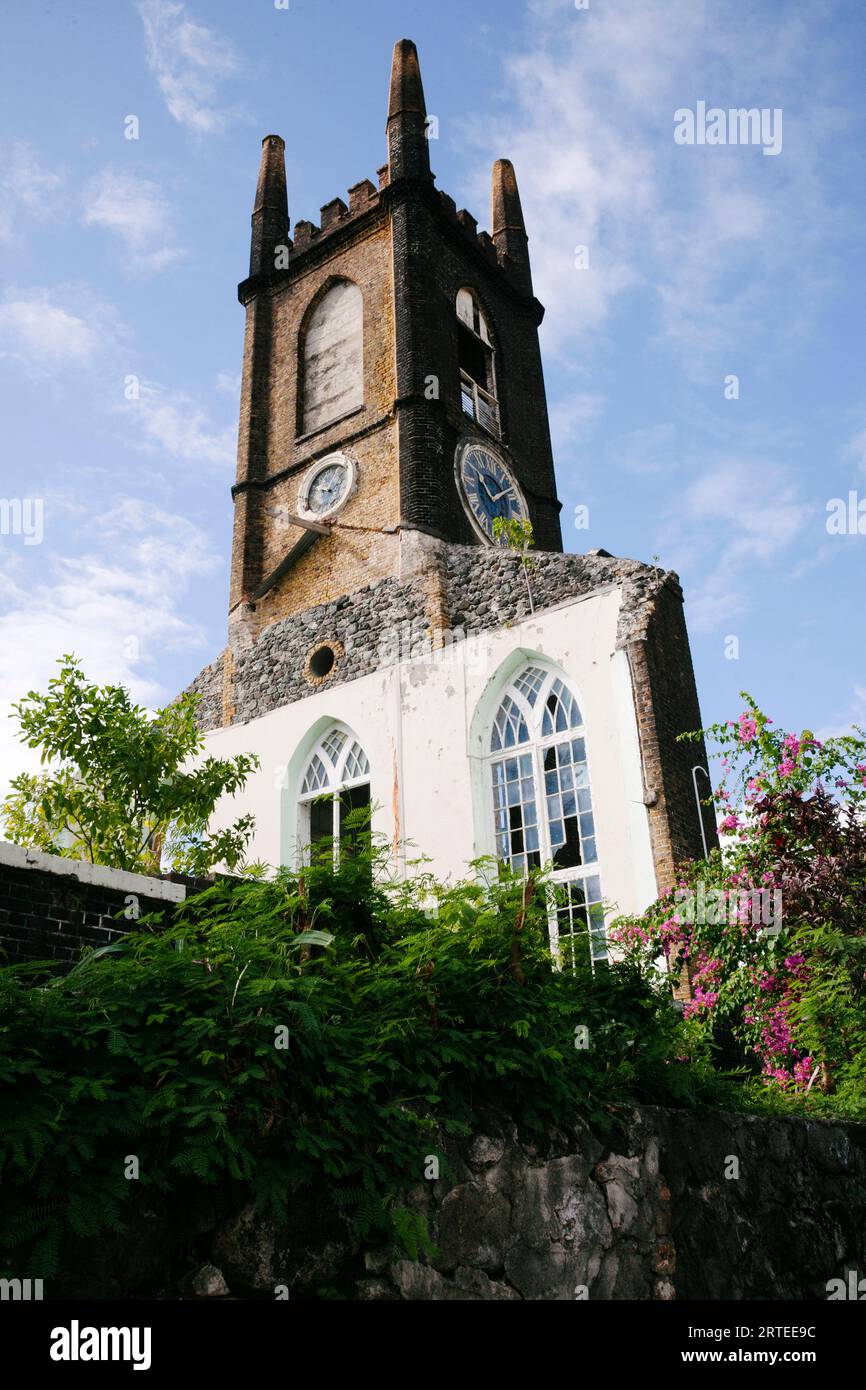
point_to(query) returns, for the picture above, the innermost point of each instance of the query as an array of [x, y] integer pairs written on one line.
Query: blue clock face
[[489, 488]]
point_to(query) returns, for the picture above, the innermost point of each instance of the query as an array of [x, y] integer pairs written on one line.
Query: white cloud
[[856, 715], [172, 422], [752, 507], [45, 335], [702, 235], [25, 185], [135, 209], [118, 607], [734, 520], [856, 450], [229, 383], [189, 62], [647, 451], [573, 417]]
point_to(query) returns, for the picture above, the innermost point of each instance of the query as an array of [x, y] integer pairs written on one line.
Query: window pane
[[515, 813], [354, 832], [321, 819], [582, 935], [568, 855]]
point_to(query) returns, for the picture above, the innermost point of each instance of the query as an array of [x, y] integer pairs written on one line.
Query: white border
[[313, 472]]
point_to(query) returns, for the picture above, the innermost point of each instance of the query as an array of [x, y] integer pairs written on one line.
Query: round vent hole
[[322, 661]]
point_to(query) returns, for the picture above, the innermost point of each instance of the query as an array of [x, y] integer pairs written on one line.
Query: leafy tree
[[122, 787]]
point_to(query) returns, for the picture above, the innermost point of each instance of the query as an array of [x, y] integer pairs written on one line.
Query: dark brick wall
[[51, 916], [435, 254], [667, 664]]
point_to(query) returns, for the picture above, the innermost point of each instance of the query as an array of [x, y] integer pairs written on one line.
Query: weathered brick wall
[[665, 686], [50, 907], [409, 252], [274, 455], [449, 256]]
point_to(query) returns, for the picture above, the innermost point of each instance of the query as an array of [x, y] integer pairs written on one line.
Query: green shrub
[[403, 1009]]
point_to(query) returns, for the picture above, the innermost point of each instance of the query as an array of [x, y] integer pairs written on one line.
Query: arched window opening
[[334, 789], [542, 805], [332, 372], [477, 366]]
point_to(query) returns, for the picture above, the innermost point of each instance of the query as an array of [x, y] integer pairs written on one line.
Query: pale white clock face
[[488, 488], [327, 486]]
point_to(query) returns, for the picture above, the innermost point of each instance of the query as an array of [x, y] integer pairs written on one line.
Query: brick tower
[[359, 342], [386, 646]]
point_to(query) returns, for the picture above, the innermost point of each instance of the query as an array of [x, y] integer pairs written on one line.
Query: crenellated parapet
[[406, 174]]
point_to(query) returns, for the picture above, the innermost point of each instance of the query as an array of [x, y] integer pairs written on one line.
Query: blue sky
[[121, 259]]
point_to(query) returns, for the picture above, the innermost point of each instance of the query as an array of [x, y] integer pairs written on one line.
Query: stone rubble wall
[[480, 589], [646, 1209]]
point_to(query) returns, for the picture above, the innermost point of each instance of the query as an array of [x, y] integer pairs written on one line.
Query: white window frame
[[485, 404], [534, 747], [334, 779]]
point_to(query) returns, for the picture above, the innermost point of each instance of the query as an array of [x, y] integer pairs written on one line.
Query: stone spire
[[506, 219], [271, 209], [408, 147]]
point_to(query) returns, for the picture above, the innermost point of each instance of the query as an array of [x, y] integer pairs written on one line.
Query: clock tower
[[388, 647], [392, 379]]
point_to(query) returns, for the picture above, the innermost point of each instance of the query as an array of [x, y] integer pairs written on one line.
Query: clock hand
[[486, 488]]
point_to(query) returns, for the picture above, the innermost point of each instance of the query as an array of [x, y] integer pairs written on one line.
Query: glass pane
[[568, 856], [321, 819], [354, 832]]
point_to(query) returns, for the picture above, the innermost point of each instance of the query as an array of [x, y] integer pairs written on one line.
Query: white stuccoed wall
[[424, 724]]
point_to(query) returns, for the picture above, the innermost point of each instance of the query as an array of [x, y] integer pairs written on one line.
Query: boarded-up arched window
[[333, 357]]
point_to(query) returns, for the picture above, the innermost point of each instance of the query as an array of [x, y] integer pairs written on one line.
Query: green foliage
[[120, 789], [774, 926], [513, 531], [516, 533], [403, 1009]]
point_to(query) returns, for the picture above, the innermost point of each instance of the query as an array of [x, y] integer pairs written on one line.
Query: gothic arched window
[[542, 803], [332, 368], [335, 784], [477, 367]]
